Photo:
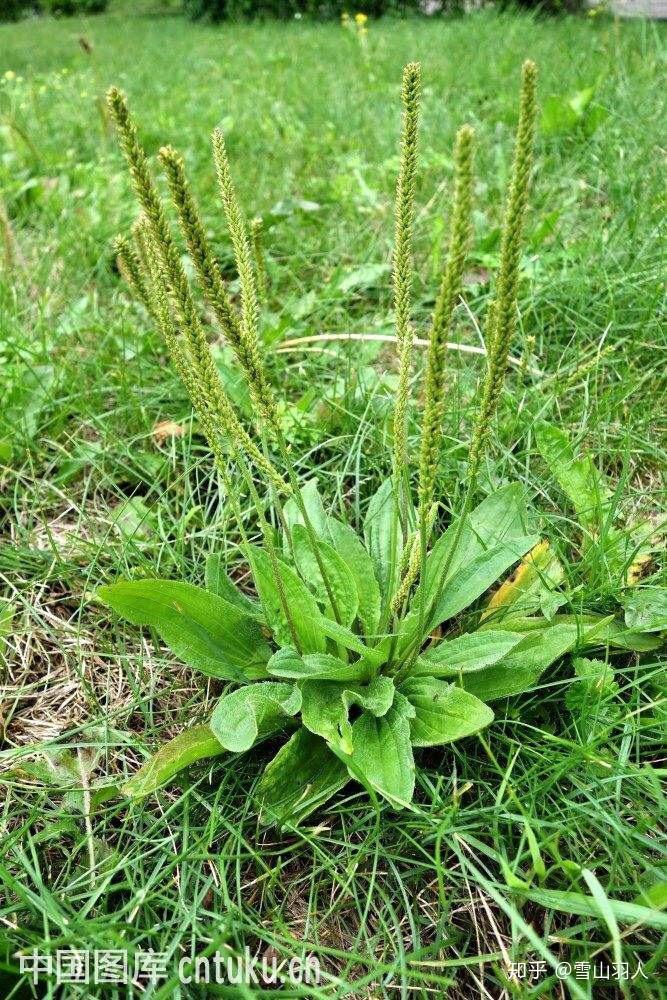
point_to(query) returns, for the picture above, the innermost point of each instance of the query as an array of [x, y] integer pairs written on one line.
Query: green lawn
[[434, 900]]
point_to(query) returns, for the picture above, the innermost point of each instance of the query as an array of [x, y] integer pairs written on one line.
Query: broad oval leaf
[[340, 580], [382, 755], [443, 712], [303, 608], [326, 707], [466, 653], [218, 582], [442, 564], [300, 778], [524, 666], [252, 713], [287, 663], [314, 509], [383, 541], [608, 631], [203, 630], [578, 478], [351, 549], [195, 744], [646, 609], [501, 516], [473, 579]]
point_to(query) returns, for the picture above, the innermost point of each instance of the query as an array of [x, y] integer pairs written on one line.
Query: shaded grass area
[[444, 897]]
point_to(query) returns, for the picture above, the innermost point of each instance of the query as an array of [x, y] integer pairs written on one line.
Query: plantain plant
[[354, 647]]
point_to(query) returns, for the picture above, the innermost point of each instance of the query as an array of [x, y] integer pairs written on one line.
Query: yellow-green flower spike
[[235, 438], [249, 352], [504, 307], [149, 198], [402, 264], [129, 265], [450, 288], [210, 391], [198, 245], [256, 239], [217, 415], [248, 349]]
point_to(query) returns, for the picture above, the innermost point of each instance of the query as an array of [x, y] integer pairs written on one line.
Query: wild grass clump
[[359, 648]]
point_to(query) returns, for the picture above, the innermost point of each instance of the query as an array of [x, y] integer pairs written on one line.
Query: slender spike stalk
[[130, 266], [208, 270], [434, 388], [214, 288], [256, 240], [149, 200], [502, 322], [403, 275], [183, 362], [248, 351], [450, 288], [254, 367], [157, 231], [504, 308], [246, 348]]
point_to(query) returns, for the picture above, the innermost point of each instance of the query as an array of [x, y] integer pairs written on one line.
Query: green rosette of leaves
[[356, 648]]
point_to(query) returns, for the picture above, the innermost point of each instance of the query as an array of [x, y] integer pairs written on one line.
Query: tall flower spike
[[502, 325], [149, 200], [256, 239], [198, 245], [158, 233], [210, 386], [250, 353], [236, 438], [503, 308], [402, 266], [219, 421], [450, 288], [130, 267], [248, 350]]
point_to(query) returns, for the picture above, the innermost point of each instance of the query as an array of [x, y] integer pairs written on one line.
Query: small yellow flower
[[345, 18], [10, 75], [360, 19]]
